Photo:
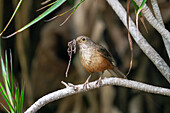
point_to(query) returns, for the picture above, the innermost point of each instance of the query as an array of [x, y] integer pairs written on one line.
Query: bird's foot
[[99, 81], [86, 84]]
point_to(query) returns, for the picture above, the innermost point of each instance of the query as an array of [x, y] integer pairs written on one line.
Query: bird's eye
[[83, 39]]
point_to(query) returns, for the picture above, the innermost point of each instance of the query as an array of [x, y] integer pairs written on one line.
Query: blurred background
[[40, 56]]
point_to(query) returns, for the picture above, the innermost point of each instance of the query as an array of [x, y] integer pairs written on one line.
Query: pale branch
[[151, 19], [157, 12], [140, 40], [160, 20], [74, 89]]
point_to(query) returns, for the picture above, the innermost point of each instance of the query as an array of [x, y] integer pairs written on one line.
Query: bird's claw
[[86, 85], [99, 81]]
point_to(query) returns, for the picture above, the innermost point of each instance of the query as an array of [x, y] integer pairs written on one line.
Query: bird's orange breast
[[94, 62]]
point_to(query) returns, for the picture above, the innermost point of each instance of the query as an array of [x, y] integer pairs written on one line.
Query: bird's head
[[83, 41]]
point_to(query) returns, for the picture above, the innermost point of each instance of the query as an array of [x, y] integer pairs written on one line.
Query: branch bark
[[160, 20], [151, 19], [140, 40], [105, 82]]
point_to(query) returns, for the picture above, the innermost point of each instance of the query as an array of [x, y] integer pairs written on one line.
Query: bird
[[95, 58]]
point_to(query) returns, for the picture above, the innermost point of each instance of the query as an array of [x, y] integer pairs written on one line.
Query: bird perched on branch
[[95, 58]]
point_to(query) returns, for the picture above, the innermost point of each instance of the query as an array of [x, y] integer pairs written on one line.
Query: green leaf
[[75, 7], [16, 9], [4, 75], [6, 100], [2, 90], [135, 5], [52, 8], [12, 83], [6, 95], [7, 72], [7, 82], [143, 2], [22, 98], [16, 96], [3, 68]]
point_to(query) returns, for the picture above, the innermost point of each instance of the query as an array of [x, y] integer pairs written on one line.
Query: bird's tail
[[117, 72]]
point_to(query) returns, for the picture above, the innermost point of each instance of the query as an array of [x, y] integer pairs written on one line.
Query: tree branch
[[140, 40], [160, 20], [151, 19], [105, 82]]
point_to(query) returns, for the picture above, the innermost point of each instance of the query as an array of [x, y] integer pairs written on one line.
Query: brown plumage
[[95, 58]]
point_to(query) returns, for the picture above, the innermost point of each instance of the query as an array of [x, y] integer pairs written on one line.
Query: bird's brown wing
[[106, 54]]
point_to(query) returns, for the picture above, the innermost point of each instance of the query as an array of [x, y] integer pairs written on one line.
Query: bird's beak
[[78, 39]]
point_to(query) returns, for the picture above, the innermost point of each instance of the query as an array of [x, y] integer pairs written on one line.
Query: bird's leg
[[87, 81], [99, 82]]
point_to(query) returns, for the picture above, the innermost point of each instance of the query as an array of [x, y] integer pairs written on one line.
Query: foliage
[[11, 94], [54, 6]]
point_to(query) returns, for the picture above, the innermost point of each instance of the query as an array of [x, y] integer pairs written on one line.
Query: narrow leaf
[[7, 82], [72, 12], [142, 20], [139, 14], [5, 108], [52, 8], [22, 97], [46, 6], [61, 14], [7, 72], [3, 67], [2, 90], [12, 83], [16, 96], [143, 3], [16, 9], [7, 101], [135, 5], [137, 22], [45, 2]]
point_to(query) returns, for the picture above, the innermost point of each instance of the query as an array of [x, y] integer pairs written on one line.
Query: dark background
[[40, 56]]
